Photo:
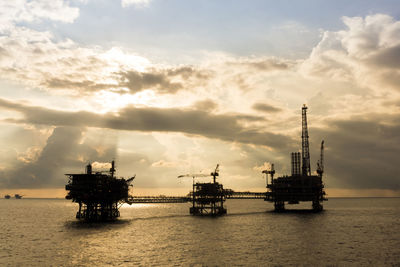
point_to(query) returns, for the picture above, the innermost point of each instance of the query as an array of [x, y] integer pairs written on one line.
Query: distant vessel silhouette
[[7, 196], [18, 196]]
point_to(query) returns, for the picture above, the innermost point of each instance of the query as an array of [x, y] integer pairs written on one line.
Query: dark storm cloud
[[42, 172], [387, 57], [265, 108], [205, 105], [185, 72], [393, 102], [249, 118], [362, 153], [62, 150], [81, 86], [137, 81], [390, 79], [268, 64], [225, 127], [162, 81]]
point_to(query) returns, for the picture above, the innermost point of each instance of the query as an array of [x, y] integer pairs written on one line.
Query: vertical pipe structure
[[193, 195], [112, 169], [293, 163], [305, 151], [272, 173], [296, 163], [89, 169]]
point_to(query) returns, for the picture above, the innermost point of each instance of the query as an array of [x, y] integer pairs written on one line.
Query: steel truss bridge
[[229, 194]]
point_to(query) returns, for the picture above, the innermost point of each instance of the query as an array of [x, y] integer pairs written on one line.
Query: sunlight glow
[[106, 101], [118, 60]]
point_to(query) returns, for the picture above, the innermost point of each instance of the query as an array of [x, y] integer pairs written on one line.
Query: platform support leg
[[317, 206], [279, 205]]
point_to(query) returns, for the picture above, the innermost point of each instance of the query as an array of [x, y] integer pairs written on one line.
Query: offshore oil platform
[[301, 185], [207, 198], [100, 194]]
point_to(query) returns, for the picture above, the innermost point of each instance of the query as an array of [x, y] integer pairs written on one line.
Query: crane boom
[[214, 174], [194, 175]]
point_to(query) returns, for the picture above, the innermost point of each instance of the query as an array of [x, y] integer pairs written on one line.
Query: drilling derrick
[[305, 147], [301, 185]]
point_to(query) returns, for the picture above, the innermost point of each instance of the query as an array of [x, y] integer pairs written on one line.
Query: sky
[[175, 87]]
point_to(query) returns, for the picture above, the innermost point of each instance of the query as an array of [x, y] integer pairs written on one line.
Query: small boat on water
[[7, 196], [18, 196]]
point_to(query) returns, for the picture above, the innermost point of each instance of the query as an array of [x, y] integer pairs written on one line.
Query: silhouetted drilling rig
[[301, 185], [99, 194], [207, 198]]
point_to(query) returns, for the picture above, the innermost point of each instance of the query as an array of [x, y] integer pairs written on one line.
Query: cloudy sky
[[173, 87]]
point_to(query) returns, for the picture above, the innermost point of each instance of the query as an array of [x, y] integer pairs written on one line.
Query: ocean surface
[[350, 232]]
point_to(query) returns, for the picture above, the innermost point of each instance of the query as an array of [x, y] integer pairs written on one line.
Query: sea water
[[351, 231]]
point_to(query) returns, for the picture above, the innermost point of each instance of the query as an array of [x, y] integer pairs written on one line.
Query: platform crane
[[130, 180], [214, 174], [193, 175], [207, 198]]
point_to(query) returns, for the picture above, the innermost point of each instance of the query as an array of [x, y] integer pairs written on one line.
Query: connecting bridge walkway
[[245, 195], [183, 199]]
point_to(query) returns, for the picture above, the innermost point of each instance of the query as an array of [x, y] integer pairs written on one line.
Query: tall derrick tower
[[301, 185], [305, 147]]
